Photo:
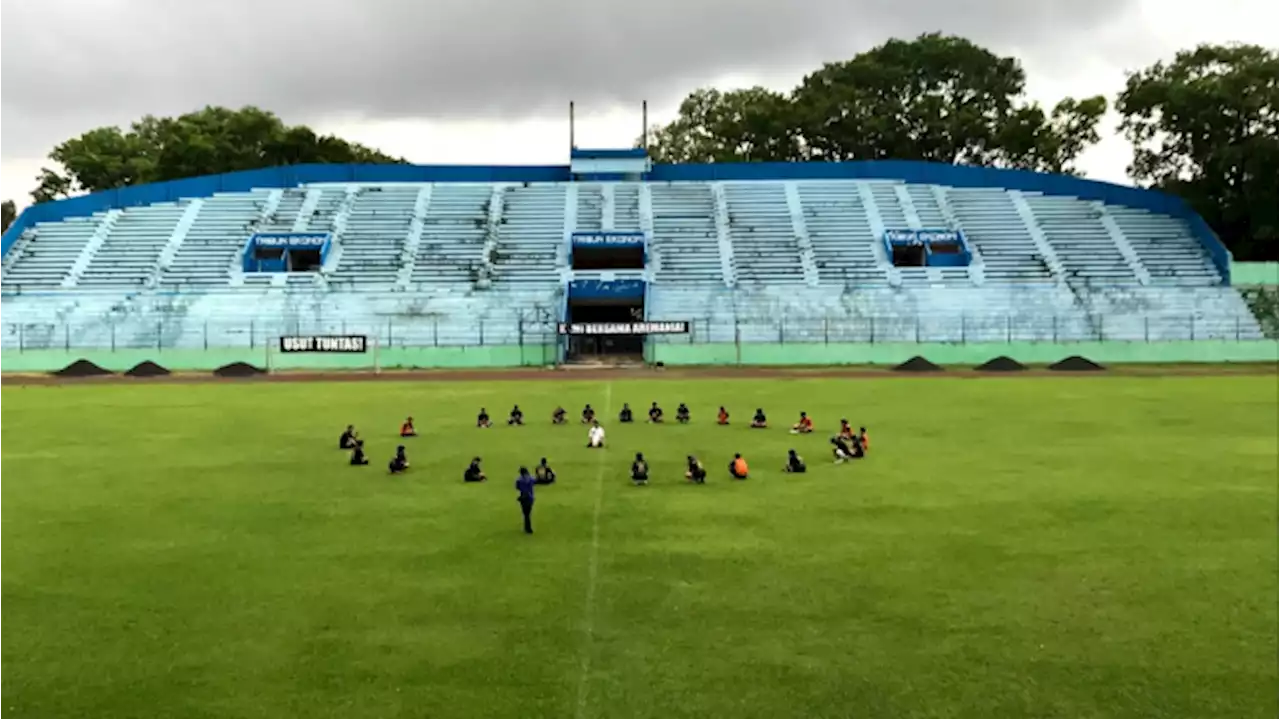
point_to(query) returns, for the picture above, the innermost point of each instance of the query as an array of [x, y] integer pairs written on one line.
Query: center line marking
[[593, 563]]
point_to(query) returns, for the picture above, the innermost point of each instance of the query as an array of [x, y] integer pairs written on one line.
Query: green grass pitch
[[1068, 547]]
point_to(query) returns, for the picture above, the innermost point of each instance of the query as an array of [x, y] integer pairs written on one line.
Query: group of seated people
[[696, 472], [350, 440], [846, 445]]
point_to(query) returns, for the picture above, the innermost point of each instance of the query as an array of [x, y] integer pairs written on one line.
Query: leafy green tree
[[1204, 127], [937, 98], [754, 124], [8, 213], [209, 141]]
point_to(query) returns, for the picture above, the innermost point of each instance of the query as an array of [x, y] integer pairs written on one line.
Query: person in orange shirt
[[407, 430], [722, 417], [804, 426], [845, 430], [864, 439], [738, 467]]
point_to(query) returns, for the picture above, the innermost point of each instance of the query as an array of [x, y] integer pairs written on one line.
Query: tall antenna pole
[[571, 142], [644, 124]]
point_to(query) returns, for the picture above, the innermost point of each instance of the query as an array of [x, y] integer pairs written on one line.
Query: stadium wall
[[908, 171], [1031, 353], [1255, 274], [964, 354]]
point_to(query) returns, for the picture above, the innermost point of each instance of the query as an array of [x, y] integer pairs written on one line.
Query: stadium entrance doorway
[[599, 332]]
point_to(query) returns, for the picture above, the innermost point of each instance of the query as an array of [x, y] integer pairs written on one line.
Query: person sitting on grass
[[795, 464], [348, 438], [406, 429], [595, 436], [738, 467], [722, 417], [864, 440], [357, 454], [758, 421], [482, 419], [517, 417], [473, 473], [655, 413], [640, 470], [804, 426], [625, 415], [543, 473], [398, 463], [588, 415], [694, 471], [682, 413], [557, 417], [845, 429], [843, 449]]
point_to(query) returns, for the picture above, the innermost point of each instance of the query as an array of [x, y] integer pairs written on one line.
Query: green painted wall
[[474, 357], [478, 357], [1255, 273], [964, 354]]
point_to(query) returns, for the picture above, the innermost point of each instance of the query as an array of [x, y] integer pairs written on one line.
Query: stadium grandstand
[[744, 253]]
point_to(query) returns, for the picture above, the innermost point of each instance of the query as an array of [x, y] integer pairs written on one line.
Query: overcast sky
[[488, 81]]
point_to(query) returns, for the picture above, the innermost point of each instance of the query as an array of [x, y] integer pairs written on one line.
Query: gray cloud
[[69, 65]]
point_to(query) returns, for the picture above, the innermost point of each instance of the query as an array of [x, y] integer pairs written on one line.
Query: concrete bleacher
[[1075, 231], [204, 259], [455, 228], [844, 243], [765, 249], [759, 261], [530, 238], [685, 241], [372, 242]]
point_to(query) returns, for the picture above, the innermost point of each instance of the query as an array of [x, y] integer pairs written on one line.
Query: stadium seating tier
[[758, 261]]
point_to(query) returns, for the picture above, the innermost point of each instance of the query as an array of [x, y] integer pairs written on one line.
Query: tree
[[755, 124], [1204, 127], [209, 141], [937, 98], [8, 213]]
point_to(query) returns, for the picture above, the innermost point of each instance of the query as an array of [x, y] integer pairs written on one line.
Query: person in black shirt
[[842, 448], [473, 473], [482, 419], [588, 415], [357, 453], [625, 414], [758, 421], [640, 470], [557, 417], [655, 413], [517, 417], [543, 473], [348, 438], [795, 465], [695, 473], [525, 484], [682, 413], [399, 463]]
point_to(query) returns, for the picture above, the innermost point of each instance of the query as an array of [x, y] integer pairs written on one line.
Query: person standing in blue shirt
[[524, 484]]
